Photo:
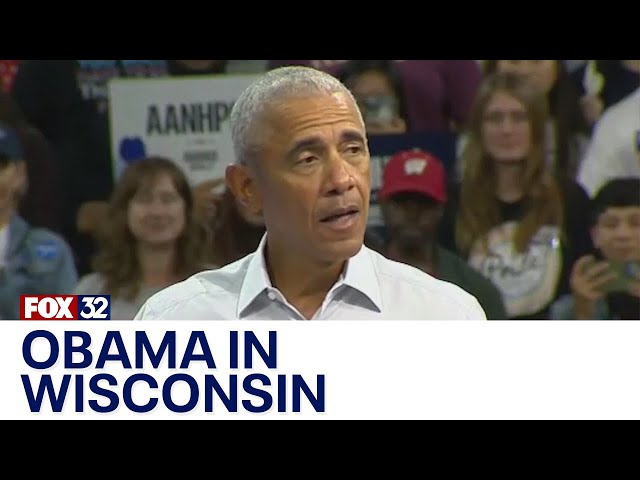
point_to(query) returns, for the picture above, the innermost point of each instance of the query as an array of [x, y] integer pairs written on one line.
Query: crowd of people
[[539, 217]]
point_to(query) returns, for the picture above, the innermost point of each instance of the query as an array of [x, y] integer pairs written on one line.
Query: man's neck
[[304, 282]]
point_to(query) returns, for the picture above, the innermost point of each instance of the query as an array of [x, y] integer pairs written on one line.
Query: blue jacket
[[38, 262]]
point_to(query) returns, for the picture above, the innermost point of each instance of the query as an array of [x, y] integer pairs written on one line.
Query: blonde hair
[[479, 209]]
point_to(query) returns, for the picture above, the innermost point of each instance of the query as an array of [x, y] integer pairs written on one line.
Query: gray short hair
[[275, 85]]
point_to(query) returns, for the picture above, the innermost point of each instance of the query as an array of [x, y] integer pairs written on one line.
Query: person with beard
[[596, 292], [412, 199]]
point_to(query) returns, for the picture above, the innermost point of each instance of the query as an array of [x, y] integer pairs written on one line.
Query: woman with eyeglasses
[[512, 219], [567, 130]]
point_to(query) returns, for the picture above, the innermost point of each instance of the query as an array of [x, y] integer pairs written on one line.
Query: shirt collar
[[256, 279], [359, 274]]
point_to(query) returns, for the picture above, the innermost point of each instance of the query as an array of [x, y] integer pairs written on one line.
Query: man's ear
[[241, 181]]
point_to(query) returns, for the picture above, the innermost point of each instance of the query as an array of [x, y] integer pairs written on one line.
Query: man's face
[[312, 179], [412, 219], [617, 233]]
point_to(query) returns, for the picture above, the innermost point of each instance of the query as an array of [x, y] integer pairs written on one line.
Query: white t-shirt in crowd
[[614, 150]]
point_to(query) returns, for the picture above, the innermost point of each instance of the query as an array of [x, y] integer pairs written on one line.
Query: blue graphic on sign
[[132, 149]]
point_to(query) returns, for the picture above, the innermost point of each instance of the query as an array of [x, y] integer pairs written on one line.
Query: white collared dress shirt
[[371, 287]]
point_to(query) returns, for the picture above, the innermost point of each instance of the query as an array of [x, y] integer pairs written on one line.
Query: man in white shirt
[[302, 162], [614, 151]]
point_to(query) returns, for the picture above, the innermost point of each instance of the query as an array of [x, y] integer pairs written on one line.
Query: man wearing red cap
[[412, 199]]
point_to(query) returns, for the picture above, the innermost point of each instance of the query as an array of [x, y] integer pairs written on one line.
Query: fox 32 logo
[[65, 307]]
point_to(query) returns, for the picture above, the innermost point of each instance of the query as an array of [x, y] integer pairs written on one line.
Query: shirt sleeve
[[145, 313], [475, 311]]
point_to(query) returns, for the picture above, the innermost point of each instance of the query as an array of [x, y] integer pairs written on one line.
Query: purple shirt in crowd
[[438, 92]]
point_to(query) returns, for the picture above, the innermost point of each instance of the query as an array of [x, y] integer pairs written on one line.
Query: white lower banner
[[319, 370]]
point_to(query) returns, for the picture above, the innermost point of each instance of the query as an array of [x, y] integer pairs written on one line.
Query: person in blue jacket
[[33, 261]]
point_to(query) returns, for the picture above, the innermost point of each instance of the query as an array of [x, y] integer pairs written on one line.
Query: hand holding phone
[[626, 273], [588, 277]]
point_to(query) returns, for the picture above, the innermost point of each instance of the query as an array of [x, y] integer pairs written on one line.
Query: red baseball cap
[[414, 171]]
